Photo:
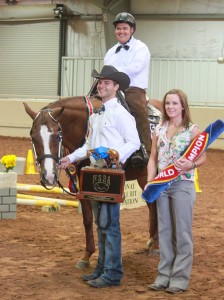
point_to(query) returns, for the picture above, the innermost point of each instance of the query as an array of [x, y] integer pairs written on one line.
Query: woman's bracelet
[[148, 180]]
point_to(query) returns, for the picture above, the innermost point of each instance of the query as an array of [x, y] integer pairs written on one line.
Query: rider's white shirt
[[134, 62], [114, 128]]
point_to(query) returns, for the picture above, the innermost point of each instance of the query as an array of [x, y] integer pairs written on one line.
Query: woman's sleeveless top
[[169, 150]]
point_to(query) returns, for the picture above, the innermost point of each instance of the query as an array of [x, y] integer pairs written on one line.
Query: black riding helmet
[[125, 18]]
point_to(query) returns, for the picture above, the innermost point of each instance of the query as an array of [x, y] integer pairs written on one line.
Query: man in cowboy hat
[[113, 127]]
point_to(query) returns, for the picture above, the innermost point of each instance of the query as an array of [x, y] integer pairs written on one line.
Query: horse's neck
[[96, 102], [74, 121]]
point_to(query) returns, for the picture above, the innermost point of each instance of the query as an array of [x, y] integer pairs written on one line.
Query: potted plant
[[8, 179]]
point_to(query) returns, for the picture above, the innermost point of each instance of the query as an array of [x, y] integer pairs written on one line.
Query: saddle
[[154, 117]]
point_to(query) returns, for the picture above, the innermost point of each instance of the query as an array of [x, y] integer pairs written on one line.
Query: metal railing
[[202, 79]]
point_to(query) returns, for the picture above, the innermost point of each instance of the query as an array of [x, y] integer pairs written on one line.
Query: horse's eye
[[55, 137]]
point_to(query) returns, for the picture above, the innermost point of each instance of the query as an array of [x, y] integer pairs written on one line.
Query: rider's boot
[[140, 158]]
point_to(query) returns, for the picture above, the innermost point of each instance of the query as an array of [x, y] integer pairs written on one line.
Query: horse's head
[[46, 137]]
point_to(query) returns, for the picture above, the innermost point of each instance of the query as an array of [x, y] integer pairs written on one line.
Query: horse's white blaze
[[48, 163]]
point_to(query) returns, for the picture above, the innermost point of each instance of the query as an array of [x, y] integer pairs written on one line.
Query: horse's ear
[[29, 111], [56, 112]]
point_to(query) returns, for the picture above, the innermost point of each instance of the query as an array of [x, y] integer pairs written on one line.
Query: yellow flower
[[9, 162]]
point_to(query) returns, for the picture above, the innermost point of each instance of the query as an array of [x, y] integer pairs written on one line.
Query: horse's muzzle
[[49, 178]]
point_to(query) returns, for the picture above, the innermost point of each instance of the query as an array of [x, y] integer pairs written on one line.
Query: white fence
[[202, 80], [76, 77]]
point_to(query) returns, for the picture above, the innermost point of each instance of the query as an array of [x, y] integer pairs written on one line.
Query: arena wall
[[16, 123]]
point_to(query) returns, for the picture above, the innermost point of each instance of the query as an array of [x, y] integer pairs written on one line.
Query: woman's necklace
[[172, 131]]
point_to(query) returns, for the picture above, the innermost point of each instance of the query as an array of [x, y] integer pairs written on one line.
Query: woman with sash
[[175, 204]]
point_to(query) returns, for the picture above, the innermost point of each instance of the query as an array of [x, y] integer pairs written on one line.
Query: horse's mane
[[75, 102], [67, 102]]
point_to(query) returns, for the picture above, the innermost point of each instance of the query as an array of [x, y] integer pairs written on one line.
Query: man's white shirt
[[114, 128]]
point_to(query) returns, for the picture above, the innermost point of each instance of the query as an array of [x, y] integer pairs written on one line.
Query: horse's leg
[[88, 225], [153, 243]]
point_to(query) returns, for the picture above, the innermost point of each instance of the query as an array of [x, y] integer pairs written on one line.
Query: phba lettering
[[99, 178]]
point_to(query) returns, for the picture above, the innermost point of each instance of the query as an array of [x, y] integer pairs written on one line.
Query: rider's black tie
[[100, 110], [126, 47]]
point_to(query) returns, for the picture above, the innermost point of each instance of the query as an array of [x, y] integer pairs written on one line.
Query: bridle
[[39, 158]]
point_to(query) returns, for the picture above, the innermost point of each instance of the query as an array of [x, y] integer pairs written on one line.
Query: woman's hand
[[147, 184], [64, 162], [183, 165]]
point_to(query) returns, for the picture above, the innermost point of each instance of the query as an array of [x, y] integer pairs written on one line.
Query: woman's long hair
[[186, 117]]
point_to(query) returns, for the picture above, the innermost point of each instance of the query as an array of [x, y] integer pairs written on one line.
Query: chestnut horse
[[64, 122]]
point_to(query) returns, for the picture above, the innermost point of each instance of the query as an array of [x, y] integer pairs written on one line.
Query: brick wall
[[8, 203], [8, 191]]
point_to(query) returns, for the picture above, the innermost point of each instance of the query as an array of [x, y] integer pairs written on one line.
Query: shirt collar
[[108, 104]]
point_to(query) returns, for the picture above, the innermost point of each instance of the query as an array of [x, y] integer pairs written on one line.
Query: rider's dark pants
[[136, 99]]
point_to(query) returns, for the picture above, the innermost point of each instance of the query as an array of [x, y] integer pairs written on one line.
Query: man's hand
[[63, 163]]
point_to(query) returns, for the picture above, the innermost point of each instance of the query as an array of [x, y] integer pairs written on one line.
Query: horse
[[65, 123]]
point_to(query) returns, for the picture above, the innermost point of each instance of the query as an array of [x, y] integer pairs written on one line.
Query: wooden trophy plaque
[[101, 184]]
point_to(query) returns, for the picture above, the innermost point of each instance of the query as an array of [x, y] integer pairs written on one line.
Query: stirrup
[[140, 158], [144, 154], [137, 159]]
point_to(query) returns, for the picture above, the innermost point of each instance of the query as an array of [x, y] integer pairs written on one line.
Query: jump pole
[[44, 200], [38, 188], [35, 202]]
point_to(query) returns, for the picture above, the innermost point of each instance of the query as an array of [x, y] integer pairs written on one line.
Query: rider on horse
[[132, 57]]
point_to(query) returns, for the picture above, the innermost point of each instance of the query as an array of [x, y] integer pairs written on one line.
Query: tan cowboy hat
[[109, 72]]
